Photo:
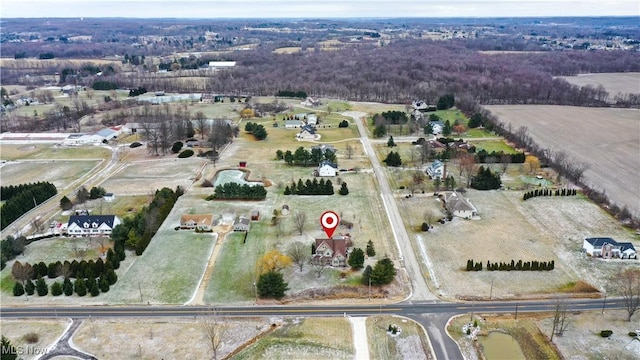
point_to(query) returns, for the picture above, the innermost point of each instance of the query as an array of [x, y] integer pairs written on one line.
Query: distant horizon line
[[333, 18]]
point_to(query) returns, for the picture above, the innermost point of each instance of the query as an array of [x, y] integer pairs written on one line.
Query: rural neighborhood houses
[[92, 225], [458, 206], [199, 222], [307, 132], [333, 252], [608, 248]]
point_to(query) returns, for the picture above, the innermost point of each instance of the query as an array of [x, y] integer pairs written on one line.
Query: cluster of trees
[[482, 156], [271, 282], [304, 157], [343, 124], [485, 179], [309, 187], [136, 232], [292, 94], [390, 117], [22, 198], [138, 91], [356, 259], [104, 85], [445, 102], [90, 276], [512, 266], [11, 247], [235, 191], [548, 192], [382, 273], [257, 130], [393, 159]]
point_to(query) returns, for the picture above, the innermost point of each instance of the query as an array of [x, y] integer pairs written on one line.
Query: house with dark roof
[[242, 224], [92, 225], [458, 206], [327, 168], [333, 252], [608, 248], [324, 147], [307, 132]]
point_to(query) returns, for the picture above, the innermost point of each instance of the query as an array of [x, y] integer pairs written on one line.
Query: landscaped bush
[[135, 144], [185, 154], [309, 187], [632, 334], [606, 333], [31, 338], [177, 146], [549, 192]]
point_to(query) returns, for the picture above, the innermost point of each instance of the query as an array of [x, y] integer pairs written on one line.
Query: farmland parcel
[[607, 140]]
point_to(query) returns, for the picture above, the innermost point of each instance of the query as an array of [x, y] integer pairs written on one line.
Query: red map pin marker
[[329, 221]]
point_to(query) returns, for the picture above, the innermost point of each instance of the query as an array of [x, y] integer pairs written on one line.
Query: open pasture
[[542, 229], [59, 173], [606, 139], [147, 176], [614, 83]]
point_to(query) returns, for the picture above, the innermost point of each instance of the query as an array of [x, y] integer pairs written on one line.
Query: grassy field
[[411, 343], [165, 338], [614, 83], [51, 152], [59, 173], [494, 145], [606, 139], [542, 229], [46, 332], [309, 338]]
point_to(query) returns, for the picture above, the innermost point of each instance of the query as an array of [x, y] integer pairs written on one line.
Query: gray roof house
[[242, 224], [608, 248], [458, 206]]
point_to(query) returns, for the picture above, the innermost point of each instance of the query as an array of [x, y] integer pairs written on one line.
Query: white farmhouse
[[327, 168], [92, 225], [608, 248]]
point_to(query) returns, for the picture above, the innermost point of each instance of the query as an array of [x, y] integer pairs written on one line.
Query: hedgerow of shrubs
[[135, 144], [548, 192], [512, 266]]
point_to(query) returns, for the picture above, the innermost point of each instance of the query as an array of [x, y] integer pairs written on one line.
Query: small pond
[[498, 346], [236, 176], [536, 181]]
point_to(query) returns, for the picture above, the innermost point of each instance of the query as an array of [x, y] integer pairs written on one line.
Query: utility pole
[[491, 291], [369, 288], [604, 302], [516, 311], [255, 290], [140, 290]]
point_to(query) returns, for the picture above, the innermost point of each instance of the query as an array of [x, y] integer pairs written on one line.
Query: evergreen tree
[[67, 287], [272, 285], [390, 142], [65, 203], [383, 272], [343, 189], [18, 289], [371, 250], [80, 287], [56, 289], [393, 159], [29, 287], [103, 284], [356, 259], [366, 275], [41, 287]]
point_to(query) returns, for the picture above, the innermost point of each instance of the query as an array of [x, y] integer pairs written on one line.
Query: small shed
[[109, 197], [255, 215], [243, 164], [285, 209]]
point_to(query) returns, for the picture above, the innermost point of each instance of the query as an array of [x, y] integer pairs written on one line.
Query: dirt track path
[[198, 296]]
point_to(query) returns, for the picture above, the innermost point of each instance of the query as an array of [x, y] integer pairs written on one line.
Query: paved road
[[407, 258], [64, 348]]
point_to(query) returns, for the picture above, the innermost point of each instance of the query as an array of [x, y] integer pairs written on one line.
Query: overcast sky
[[315, 8]]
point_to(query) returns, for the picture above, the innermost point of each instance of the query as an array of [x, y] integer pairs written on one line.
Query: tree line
[[485, 179], [235, 191], [309, 187], [136, 232], [534, 265], [548, 192], [304, 157], [22, 198], [257, 130]]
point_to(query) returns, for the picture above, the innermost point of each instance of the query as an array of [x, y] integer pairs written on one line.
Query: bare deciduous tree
[[299, 254], [349, 151], [318, 268], [467, 165], [627, 285], [201, 124], [214, 331], [299, 221], [22, 272]]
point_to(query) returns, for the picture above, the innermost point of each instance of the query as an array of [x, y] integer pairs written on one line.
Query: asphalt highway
[[403, 309]]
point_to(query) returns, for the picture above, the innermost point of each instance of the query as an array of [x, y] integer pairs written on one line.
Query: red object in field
[[243, 164]]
